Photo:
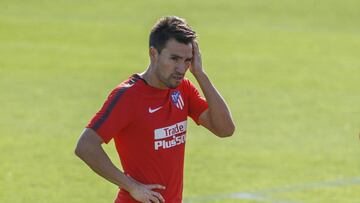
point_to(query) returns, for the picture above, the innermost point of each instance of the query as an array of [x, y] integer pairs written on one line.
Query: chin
[[173, 85]]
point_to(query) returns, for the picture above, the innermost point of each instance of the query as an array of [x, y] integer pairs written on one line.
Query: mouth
[[178, 77]]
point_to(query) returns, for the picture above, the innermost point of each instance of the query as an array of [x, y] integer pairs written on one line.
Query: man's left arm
[[217, 118]]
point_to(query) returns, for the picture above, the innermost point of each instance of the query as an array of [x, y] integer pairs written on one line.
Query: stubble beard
[[166, 81], [170, 85]]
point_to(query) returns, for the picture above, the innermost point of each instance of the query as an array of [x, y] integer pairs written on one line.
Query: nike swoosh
[[154, 110]]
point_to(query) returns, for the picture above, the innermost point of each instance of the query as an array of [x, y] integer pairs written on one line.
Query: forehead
[[173, 47]]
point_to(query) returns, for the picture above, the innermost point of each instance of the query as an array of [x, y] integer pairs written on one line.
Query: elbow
[[79, 151], [87, 144], [226, 132]]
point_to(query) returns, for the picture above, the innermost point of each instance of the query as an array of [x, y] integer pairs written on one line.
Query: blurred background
[[289, 70]]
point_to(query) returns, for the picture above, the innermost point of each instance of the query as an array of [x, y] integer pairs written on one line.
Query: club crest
[[177, 100]]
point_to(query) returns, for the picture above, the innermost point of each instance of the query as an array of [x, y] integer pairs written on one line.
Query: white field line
[[265, 194], [312, 186], [240, 195]]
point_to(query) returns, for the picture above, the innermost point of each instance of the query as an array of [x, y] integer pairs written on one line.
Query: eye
[[174, 58]]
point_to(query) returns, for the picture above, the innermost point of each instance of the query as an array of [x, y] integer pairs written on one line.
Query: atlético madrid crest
[[177, 100]]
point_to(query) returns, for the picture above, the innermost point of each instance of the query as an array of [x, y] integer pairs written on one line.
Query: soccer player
[[146, 115]]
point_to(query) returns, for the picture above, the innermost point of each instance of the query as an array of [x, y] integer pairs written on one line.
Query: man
[[146, 115]]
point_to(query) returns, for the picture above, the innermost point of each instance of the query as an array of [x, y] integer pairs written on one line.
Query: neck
[[150, 77]]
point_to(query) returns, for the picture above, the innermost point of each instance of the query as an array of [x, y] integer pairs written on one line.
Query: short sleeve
[[114, 115], [197, 103]]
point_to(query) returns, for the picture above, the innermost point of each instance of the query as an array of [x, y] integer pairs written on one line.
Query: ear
[[153, 53]]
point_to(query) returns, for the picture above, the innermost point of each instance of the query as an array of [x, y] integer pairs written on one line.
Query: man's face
[[172, 63]]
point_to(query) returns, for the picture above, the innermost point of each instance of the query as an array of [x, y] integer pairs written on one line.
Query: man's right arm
[[89, 149]]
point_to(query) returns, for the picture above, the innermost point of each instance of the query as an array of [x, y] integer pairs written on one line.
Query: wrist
[[130, 184], [198, 73], [132, 187]]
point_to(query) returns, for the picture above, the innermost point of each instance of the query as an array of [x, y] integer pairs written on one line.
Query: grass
[[289, 70]]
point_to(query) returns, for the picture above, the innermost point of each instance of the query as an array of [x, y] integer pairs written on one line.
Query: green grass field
[[290, 71]]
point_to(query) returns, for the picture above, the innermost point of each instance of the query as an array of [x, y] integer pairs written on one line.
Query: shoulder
[[127, 85], [186, 83], [123, 90], [187, 86]]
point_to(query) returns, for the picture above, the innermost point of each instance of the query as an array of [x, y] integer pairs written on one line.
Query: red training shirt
[[148, 126]]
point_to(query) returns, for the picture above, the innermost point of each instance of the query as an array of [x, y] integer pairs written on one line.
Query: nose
[[182, 67]]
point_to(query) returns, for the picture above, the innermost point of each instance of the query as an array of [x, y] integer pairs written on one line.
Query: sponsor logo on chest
[[170, 136]]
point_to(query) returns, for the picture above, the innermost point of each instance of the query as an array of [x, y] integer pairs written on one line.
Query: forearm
[[96, 158], [90, 151], [219, 113]]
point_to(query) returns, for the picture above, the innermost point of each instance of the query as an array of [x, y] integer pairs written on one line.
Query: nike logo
[[154, 110]]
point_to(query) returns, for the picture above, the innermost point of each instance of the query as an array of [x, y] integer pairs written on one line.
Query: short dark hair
[[170, 27]]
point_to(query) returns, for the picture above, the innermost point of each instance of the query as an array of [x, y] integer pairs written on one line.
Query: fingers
[[196, 49], [154, 199], [158, 196], [155, 186], [195, 46], [155, 196], [145, 194]]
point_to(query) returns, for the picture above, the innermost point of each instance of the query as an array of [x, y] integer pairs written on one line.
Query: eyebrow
[[177, 56]]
